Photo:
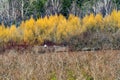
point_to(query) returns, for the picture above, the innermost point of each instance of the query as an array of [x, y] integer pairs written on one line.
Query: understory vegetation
[[94, 31]]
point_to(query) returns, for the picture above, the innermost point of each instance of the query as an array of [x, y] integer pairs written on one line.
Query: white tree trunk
[[22, 11], [53, 7]]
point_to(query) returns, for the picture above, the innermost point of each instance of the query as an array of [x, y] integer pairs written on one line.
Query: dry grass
[[100, 65]]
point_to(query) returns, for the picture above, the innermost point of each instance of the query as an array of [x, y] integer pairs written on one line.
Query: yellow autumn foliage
[[56, 28]]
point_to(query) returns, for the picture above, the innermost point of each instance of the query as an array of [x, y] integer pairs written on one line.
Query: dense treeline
[[14, 11], [76, 23]]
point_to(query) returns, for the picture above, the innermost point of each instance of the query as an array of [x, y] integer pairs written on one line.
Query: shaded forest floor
[[85, 65]]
